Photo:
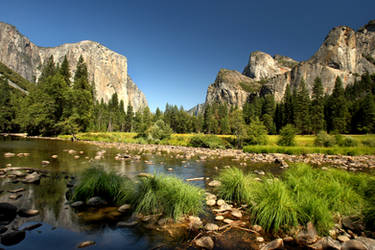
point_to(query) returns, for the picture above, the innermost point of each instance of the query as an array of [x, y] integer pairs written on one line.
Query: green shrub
[[109, 186], [287, 136], [168, 195], [348, 142], [208, 141], [274, 206], [257, 133], [235, 185], [369, 142], [324, 140], [160, 131]]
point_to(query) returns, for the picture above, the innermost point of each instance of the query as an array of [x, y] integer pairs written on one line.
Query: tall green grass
[[109, 186], [301, 195], [168, 195], [235, 185], [274, 206], [299, 150]]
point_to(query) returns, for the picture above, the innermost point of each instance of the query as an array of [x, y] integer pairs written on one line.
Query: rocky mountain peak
[[262, 65], [107, 69]]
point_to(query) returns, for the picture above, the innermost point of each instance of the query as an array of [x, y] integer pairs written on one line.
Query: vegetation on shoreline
[[163, 194], [302, 194]]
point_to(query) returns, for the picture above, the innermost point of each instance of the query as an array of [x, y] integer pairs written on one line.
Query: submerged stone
[[205, 242], [96, 202], [27, 212], [86, 244], [124, 208], [12, 238]]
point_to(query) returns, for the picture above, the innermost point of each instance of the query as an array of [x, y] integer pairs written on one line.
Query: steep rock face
[[196, 110], [263, 66], [107, 69], [231, 87], [345, 53]]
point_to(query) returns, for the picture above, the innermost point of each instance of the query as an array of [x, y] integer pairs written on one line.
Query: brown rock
[[353, 245], [86, 244], [275, 244], [205, 242]]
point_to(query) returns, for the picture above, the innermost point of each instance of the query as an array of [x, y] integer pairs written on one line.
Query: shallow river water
[[62, 228]]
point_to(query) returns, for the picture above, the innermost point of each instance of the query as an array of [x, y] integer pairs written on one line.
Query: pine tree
[[338, 114], [129, 118], [48, 69], [65, 71], [317, 106], [288, 108], [302, 109], [6, 110]]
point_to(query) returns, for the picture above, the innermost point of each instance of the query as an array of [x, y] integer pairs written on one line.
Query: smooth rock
[[19, 173], [259, 239], [195, 222], [7, 212], [77, 204], [211, 227], [124, 208], [353, 245], [76, 157], [343, 238], [71, 151], [236, 213], [257, 228], [96, 202], [275, 244], [86, 244], [127, 224], [368, 242], [228, 221], [221, 202], [170, 169], [54, 156], [219, 218], [15, 196], [211, 203], [45, 162], [32, 178], [214, 183], [27, 212], [205, 242], [16, 190], [352, 223], [308, 236], [12, 238], [326, 243], [8, 154]]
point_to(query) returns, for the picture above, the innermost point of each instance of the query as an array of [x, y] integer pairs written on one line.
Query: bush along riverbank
[[303, 207]]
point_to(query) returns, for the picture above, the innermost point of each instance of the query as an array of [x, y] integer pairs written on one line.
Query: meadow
[[304, 143]]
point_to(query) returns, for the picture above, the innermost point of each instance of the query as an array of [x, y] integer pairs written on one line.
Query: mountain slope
[[345, 53], [106, 68]]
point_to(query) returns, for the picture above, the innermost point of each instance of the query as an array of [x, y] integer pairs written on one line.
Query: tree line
[[61, 104]]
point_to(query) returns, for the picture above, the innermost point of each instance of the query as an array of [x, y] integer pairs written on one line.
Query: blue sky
[[175, 48]]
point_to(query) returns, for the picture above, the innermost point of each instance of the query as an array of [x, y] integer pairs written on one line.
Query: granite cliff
[[344, 52], [106, 68]]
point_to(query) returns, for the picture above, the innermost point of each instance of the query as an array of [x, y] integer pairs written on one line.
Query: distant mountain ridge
[[106, 68], [345, 53]]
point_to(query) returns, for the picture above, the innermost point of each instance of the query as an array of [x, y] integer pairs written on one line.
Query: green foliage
[[109, 186], [168, 195], [235, 185], [369, 142], [302, 105], [317, 107], [287, 136], [7, 112], [324, 140], [256, 133], [274, 206], [248, 87], [160, 131], [208, 141]]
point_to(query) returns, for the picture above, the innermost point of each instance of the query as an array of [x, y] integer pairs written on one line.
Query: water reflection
[[63, 228]]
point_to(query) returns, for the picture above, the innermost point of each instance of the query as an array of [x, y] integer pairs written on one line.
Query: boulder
[[211, 227], [275, 244], [353, 223], [214, 183], [7, 212], [326, 243], [369, 243], [205, 242], [353, 245], [12, 238], [308, 236], [86, 244], [96, 202], [127, 224], [77, 204], [124, 208], [27, 212], [33, 178]]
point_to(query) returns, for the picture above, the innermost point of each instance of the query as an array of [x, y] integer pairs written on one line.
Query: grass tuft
[[168, 195], [109, 186], [235, 185]]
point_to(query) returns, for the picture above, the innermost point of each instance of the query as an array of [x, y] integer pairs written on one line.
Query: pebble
[[220, 202], [236, 213], [211, 203], [214, 183], [45, 162], [260, 239], [86, 244], [219, 218], [228, 221], [54, 156], [205, 242], [124, 208], [211, 227], [343, 238]]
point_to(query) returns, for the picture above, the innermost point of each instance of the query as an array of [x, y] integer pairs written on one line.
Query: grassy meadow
[[304, 143]]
